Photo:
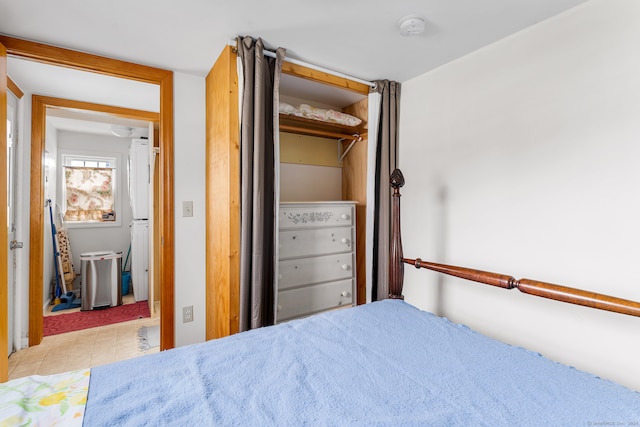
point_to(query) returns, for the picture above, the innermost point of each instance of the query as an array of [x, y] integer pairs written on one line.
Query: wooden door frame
[[39, 107], [115, 68]]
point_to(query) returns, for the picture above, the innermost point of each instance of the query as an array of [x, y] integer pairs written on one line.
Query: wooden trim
[[167, 231], [121, 69], [127, 113], [39, 106], [14, 88], [4, 236], [222, 198], [82, 61], [324, 78], [36, 220], [318, 132]]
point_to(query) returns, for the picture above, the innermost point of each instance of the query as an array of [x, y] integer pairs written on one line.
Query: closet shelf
[[304, 126]]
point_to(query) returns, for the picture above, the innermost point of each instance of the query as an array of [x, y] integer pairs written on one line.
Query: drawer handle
[[344, 240], [344, 294], [345, 266], [344, 216]]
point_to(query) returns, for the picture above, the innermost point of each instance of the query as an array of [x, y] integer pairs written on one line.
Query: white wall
[[189, 185], [111, 237], [309, 183], [522, 158], [50, 172]]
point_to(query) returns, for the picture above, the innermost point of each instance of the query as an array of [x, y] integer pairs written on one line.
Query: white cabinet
[[140, 259], [316, 253]]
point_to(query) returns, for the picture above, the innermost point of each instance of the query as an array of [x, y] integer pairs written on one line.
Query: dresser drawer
[[297, 272], [317, 241], [312, 299], [309, 216]]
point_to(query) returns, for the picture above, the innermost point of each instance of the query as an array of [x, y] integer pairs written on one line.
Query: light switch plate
[[187, 208]]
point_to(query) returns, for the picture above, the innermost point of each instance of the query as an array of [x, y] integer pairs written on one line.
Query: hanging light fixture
[[412, 25], [121, 131]]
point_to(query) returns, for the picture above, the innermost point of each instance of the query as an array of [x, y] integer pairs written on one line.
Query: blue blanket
[[385, 363]]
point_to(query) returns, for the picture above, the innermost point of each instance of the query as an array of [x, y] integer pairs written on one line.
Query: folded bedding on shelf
[[309, 112], [285, 108]]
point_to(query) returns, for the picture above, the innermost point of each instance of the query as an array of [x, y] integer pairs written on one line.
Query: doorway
[[95, 64], [80, 131], [40, 105]]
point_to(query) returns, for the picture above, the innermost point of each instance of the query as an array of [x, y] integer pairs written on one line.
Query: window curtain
[[89, 193], [385, 160], [258, 201]]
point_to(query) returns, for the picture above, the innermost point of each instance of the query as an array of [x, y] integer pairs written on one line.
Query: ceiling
[[355, 37]]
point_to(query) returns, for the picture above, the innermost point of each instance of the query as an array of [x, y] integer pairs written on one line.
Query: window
[[89, 189]]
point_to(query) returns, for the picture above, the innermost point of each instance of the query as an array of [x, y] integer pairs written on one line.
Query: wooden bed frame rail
[[527, 286]]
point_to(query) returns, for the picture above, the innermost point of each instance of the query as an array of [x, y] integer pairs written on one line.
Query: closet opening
[[310, 153], [323, 183]]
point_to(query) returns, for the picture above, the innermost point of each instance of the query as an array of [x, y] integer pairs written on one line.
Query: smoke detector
[[412, 25]]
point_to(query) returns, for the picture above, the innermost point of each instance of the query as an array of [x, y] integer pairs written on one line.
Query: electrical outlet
[[187, 209], [187, 314]]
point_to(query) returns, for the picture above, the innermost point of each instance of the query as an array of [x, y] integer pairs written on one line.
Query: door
[[4, 237], [12, 141], [152, 221]]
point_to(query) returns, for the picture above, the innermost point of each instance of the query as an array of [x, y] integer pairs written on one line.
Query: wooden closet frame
[[223, 188]]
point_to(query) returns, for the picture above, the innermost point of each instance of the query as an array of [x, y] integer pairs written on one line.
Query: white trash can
[[101, 279]]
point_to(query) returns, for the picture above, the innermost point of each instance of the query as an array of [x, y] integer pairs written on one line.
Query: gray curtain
[[261, 80], [386, 162]]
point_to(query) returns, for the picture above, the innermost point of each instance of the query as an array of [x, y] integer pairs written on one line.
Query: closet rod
[[314, 67], [322, 69]]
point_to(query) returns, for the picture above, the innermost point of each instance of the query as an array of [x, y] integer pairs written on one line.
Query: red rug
[[54, 325]]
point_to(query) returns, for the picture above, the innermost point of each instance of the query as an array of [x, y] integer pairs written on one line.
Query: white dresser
[[316, 253]]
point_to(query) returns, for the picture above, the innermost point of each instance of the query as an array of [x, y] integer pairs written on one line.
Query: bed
[[384, 363]]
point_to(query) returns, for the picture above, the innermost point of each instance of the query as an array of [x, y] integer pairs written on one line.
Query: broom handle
[[58, 291]]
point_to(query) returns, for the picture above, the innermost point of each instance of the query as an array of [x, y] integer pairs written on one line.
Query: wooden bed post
[[527, 286], [396, 267]]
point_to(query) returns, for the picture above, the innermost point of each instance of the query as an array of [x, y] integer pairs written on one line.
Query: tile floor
[[81, 349]]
